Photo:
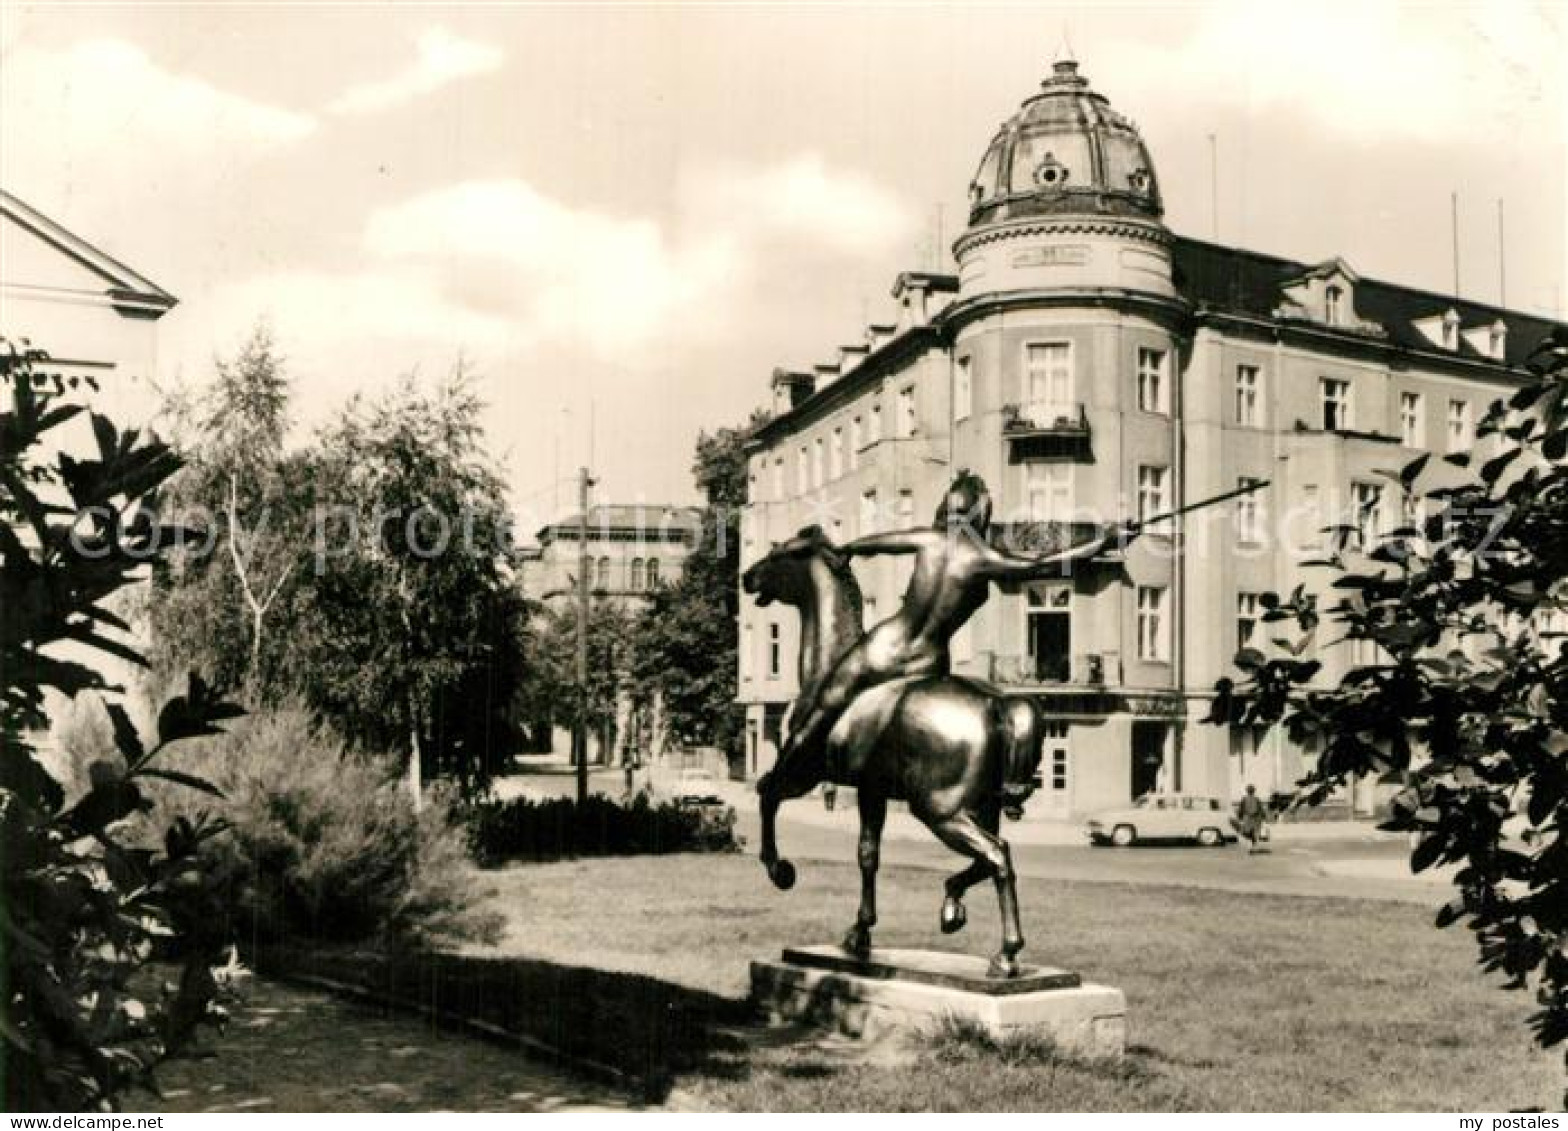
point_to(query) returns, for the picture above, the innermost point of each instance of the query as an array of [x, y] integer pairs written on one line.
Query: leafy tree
[[549, 693], [686, 651], [408, 633], [367, 574], [253, 499], [82, 908], [1467, 702]]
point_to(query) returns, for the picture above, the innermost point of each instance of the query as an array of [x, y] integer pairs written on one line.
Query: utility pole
[[580, 731]]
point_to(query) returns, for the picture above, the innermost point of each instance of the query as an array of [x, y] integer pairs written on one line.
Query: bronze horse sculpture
[[955, 749]]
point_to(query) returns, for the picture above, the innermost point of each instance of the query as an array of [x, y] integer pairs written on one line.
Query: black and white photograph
[[733, 558]]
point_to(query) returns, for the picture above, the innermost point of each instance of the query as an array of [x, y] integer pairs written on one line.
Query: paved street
[[1351, 866], [1310, 858]]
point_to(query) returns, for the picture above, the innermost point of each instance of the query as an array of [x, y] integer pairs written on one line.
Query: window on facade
[[1152, 498], [1049, 487], [868, 512], [1245, 742], [906, 412], [1335, 395], [1312, 517], [818, 462], [1247, 396], [1368, 518], [906, 509], [1249, 513], [1248, 617], [963, 390], [1058, 754], [874, 435], [1364, 653], [1461, 428], [1411, 511], [1048, 382], [748, 642], [1333, 305], [1153, 382], [1153, 624], [1412, 423], [653, 573], [775, 652], [836, 454], [602, 574], [1550, 624], [802, 472], [857, 440], [636, 574], [1049, 633], [778, 477]]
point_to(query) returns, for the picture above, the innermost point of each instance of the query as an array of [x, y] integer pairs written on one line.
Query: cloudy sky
[[629, 214]]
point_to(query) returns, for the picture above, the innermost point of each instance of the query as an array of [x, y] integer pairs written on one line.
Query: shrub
[[525, 829], [82, 909], [325, 842]]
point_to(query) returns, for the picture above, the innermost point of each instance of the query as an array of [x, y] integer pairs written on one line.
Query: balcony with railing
[[1082, 670], [1041, 430], [1038, 538]]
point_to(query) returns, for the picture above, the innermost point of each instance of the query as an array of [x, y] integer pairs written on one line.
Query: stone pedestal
[[915, 989]]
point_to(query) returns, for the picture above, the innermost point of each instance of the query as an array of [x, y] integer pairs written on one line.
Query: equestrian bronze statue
[[881, 711]]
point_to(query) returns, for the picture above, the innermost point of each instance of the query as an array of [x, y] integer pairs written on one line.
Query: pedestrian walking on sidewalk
[[1252, 819]]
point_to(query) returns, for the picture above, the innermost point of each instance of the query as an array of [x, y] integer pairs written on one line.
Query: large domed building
[[1089, 364]]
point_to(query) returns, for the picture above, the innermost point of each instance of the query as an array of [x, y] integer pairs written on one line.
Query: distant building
[[1090, 364], [633, 548]]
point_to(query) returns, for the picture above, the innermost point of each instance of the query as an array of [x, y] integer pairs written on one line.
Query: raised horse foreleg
[[773, 789], [873, 813], [991, 856]]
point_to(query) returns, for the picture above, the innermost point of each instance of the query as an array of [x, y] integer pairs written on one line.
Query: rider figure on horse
[[954, 566]]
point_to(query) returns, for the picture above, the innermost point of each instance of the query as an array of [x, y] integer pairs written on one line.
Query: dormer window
[[1333, 304], [1451, 329]]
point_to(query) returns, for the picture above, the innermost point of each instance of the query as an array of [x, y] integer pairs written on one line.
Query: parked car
[[1164, 816], [697, 786]]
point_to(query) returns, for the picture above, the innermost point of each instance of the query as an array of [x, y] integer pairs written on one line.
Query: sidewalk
[[289, 1048]]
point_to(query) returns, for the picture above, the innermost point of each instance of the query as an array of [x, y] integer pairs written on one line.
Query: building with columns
[[1090, 364]]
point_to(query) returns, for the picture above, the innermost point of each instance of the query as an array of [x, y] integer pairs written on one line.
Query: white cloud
[[101, 136], [802, 198], [497, 268], [443, 58], [607, 283], [1371, 70], [108, 92]]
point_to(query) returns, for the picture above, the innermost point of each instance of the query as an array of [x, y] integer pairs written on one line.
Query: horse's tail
[[1017, 727]]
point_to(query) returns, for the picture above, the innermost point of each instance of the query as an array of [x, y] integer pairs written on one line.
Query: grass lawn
[[1235, 1002]]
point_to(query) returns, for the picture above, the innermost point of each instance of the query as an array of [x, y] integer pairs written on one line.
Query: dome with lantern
[[1065, 152]]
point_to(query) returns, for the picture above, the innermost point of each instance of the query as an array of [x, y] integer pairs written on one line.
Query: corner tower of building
[[1066, 196]]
